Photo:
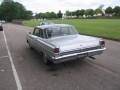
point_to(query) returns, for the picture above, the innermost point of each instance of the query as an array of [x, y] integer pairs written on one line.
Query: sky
[[38, 6]]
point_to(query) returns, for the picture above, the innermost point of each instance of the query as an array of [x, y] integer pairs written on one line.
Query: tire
[[45, 60], [29, 45], [1, 28]]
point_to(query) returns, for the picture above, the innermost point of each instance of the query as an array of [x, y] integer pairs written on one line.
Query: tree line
[[79, 13], [49, 15], [10, 10], [109, 11]]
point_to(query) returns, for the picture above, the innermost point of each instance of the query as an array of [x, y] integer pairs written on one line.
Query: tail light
[[56, 50], [102, 43]]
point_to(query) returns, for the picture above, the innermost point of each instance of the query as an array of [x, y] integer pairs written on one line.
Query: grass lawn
[[107, 28]]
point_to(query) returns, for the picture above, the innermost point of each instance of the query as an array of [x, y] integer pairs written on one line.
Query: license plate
[[82, 55]]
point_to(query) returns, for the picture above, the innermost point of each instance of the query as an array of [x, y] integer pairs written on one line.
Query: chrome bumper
[[74, 56]]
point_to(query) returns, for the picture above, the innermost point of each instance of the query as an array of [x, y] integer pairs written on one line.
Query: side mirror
[[29, 32]]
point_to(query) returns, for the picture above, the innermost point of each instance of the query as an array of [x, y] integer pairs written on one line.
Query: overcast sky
[[63, 5]]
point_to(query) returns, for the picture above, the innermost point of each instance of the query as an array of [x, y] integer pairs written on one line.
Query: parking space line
[[17, 80], [4, 56]]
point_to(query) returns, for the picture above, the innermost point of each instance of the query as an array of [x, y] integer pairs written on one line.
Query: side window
[[36, 32], [41, 33]]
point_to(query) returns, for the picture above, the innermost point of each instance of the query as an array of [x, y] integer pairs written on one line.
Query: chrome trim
[[80, 50], [64, 58]]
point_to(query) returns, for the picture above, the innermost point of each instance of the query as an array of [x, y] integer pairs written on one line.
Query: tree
[[47, 15], [7, 1], [82, 12], [28, 14], [20, 12], [8, 10], [78, 13], [37, 16], [89, 12], [1, 18], [109, 10], [116, 10], [53, 15], [98, 11], [73, 13], [67, 13], [59, 14]]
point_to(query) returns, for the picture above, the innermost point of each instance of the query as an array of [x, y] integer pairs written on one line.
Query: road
[[23, 69]]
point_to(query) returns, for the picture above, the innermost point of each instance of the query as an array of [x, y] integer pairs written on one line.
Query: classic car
[[1, 28], [59, 43], [46, 23]]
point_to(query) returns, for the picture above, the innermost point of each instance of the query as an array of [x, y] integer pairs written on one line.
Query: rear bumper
[[74, 56]]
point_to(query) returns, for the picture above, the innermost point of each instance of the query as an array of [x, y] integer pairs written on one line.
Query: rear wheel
[[46, 61], [29, 45]]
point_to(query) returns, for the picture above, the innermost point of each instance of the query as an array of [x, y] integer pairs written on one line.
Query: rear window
[[60, 31]]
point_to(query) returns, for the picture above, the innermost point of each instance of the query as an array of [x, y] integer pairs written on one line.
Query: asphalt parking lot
[[23, 69]]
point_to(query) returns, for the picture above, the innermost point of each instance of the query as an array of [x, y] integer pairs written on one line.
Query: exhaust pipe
[[92, 57]]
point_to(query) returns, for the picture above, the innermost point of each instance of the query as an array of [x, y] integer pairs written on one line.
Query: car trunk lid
[[74, 42]]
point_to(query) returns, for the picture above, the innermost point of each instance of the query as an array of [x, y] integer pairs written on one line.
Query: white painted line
[[12, 65], [4, 57]]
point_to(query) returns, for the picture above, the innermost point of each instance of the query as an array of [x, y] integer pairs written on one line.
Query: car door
[[40, 41], [34, 37]]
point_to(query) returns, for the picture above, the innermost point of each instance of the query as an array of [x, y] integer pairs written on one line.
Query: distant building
[[65, 16]]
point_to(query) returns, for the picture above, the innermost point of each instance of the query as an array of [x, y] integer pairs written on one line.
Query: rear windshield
[[60, 31]]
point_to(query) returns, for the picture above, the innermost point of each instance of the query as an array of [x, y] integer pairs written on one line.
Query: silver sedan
[[61, 42]]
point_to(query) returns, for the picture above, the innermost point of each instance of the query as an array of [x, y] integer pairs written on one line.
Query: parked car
[[1, 28], [46, 23], [61, 42]]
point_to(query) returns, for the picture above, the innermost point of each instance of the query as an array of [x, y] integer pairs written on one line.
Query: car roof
[[53, 25]]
